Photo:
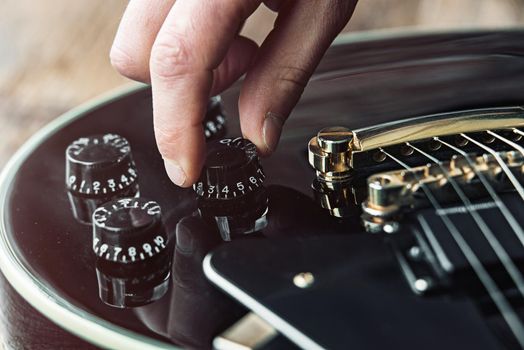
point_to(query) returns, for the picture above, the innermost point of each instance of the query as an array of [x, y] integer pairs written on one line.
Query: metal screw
[[423, 284], [415, 253], [304, 280], [391, 227]]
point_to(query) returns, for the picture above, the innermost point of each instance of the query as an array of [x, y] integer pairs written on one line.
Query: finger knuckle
[[124, 63], [225, 10], [170, 57], [292, 78]]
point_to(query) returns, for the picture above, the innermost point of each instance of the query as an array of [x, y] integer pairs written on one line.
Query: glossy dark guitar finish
[[360, 295], [359, 83]]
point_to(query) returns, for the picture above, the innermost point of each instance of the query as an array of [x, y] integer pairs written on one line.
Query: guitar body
[[23, 327], [51, 293]]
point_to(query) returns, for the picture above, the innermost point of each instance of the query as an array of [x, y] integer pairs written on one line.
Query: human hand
[[190, 50]]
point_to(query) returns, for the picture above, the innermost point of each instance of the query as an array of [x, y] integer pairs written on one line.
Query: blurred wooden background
[[54, 53]]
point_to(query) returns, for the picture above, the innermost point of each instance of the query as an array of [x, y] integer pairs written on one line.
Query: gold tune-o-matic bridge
[[340, 156]]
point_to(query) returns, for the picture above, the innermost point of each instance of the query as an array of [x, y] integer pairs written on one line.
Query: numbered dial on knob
[[98, 169], [230, 190], [231, 170], [100, 165], [128, 230]]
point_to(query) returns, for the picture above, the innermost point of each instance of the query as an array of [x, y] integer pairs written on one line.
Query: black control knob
[[131, 245], [128, 230], [98, 169], [230, 190], [215, 119]]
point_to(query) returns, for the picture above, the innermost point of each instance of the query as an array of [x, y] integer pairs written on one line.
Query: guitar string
[[517, 229], [501, 162], [500, 301], [505, 140], [497, 247]]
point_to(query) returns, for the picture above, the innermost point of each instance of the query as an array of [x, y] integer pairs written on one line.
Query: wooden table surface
[[54, 53]]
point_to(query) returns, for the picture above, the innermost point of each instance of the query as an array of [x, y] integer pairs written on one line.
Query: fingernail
[[271, 130], [175, 172]]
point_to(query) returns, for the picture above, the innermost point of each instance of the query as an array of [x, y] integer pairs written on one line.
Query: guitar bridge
[[393, 192], [344, 159]]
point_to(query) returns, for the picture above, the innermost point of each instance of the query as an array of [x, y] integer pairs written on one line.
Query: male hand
[[190, 50]]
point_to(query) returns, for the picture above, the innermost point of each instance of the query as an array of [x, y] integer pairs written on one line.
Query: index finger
[[191, 43]]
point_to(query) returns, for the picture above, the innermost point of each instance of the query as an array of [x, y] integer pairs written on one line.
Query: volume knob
[[128, 230], [231, 190], [98, 169], [133, 263]]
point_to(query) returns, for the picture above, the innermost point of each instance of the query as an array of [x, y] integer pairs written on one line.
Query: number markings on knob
[[227, 190], [97, 183], [148, 247], [102, 186]]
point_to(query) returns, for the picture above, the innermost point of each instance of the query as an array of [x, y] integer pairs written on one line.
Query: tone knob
[[130, 242], [98, 169], [230, 189], [128, 230]]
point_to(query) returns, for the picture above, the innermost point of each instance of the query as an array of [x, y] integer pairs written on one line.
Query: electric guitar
[[390, 215]]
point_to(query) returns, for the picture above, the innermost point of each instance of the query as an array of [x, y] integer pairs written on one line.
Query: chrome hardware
[[338, 149], [335, 139], [391, 192], [328, 154], [416, 268], [423, 284], [427, 127], [303, 280], [391, 227], [340, 156]]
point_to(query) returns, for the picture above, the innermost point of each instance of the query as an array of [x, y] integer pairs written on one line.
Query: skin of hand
[[189, 50]]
